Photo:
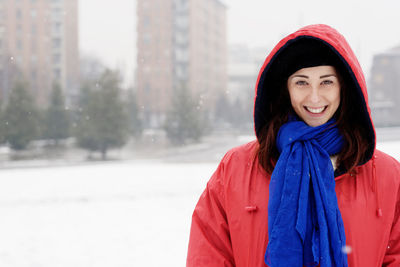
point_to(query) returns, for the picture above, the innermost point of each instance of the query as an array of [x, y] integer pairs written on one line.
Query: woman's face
[[314, 94]]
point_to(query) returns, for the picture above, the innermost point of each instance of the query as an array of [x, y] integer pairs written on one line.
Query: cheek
[[336, 98], [295, 98], [296, 105]]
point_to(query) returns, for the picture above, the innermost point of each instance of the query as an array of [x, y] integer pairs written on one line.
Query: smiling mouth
[[315, 110]]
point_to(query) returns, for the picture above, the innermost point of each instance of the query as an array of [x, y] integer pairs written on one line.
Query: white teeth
[[315, 110]]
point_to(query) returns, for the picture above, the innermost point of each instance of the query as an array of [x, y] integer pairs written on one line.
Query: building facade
[[180, 43], [384, 90], [39, 45], [244, 64]]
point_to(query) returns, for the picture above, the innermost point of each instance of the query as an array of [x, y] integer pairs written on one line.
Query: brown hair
[[348, 120]]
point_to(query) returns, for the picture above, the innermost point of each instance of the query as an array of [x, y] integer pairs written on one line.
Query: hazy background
[[370, 27], [62, 206]]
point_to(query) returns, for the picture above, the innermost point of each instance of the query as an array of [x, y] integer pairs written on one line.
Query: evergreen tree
[[239, 114], [2, 126], [57, 121], [185, 120], [223, 110], [20, 119], [136, 125], [77, 114], [103, 122]]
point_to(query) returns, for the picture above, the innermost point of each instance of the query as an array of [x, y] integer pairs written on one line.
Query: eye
[[327, 82], [301, 83]]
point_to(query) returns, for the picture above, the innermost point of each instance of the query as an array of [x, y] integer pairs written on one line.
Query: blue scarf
[[305, 226]]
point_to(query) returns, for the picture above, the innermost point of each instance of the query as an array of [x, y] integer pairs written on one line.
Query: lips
[[315, 110]]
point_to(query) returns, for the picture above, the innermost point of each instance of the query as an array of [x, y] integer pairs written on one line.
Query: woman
[[312, 190]]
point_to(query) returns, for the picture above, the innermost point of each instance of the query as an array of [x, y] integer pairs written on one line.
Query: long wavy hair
[[347, 119]]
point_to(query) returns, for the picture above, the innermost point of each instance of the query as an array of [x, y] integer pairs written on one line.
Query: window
[[19, 44], [34, 75], [146, 38], [146, 21], [18, 59], [182, 22], [57, 27], [182, 55], [18, 13], [56, 42], [384, 61], [56, 59], [33, 29], [147, 88], [33, 45], [56, 13], [379, 78], [33, 59], [57, 73], [19, 29]]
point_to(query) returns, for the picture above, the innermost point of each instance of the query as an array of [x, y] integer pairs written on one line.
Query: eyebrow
[[321, 77], [327, 75]]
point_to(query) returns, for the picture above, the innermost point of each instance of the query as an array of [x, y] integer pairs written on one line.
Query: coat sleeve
[[209, 242], [392, 256]]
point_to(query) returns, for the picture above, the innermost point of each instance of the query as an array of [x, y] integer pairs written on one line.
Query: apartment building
[[39, 44], [180, 43], [384, 89]]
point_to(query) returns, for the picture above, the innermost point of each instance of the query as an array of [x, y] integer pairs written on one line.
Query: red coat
[[230, 221], [229, 224]]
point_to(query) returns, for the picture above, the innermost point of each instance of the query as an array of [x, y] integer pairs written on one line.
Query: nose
[[314, 95]]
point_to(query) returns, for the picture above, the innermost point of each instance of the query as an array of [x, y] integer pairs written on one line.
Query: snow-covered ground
[[117, 214], [132, 213]]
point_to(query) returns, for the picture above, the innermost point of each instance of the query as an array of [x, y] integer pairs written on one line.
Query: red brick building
[[179, 42], [39, 44]]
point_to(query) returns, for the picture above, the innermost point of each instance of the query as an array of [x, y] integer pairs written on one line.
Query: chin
[[315, 123]]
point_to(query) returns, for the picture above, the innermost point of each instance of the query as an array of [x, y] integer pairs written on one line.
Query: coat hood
[[276, 68]]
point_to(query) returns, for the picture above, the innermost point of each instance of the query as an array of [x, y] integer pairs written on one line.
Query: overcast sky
[[108, 28]]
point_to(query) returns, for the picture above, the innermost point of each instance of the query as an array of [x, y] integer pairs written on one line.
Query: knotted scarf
[[305, 227]]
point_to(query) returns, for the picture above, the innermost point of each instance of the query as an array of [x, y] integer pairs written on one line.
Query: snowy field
[[114, 214]]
